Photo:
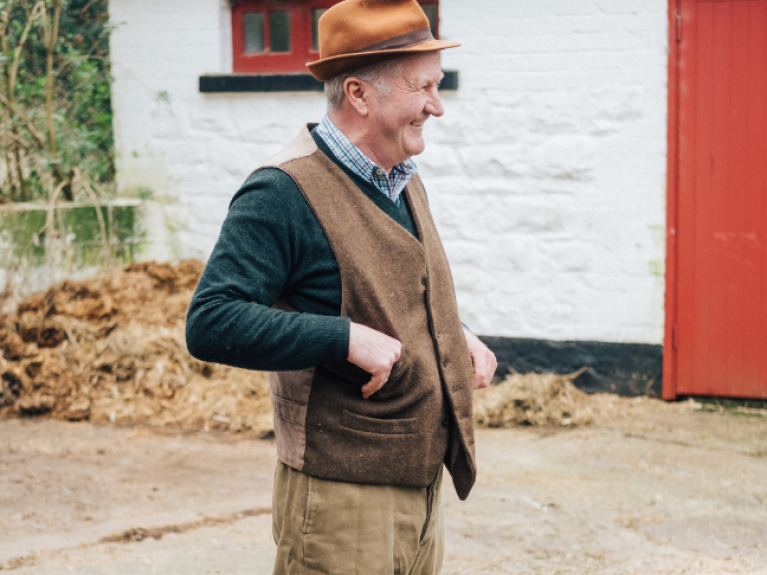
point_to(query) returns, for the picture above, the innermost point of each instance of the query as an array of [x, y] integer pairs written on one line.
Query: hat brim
[[331, 67]]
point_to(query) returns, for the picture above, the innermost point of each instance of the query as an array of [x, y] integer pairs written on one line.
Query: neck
[[359, 134]]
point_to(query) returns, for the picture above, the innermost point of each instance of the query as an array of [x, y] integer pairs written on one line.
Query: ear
[[356, 94]]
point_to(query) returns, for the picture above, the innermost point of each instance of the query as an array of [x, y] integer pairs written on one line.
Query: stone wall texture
[[546, 175]]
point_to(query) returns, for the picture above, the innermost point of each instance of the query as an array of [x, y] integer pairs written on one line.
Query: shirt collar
[[351, 156]]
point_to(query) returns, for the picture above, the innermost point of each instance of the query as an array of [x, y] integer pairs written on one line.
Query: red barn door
[[716, 309]]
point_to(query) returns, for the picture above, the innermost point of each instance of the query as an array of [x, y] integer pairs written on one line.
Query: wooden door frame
[[670, 336]]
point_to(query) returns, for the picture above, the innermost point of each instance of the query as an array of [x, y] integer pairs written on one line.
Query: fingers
[[375, 352], [483, 378], [484, 361], [375, 383], [484, 371]]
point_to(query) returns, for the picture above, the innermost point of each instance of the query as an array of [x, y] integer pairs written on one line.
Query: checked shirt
[[390, 184]]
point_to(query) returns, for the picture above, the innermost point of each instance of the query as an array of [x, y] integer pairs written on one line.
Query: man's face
[[399, 117]]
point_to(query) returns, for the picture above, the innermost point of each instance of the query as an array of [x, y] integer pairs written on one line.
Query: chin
[[416, 148]]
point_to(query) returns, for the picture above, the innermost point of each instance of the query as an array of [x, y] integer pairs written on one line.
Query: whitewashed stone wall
[[546, 175]]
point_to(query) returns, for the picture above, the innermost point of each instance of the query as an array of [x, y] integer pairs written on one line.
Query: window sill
[[221, 83]]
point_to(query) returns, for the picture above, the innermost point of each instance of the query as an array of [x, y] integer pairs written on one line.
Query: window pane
[[253, 24], [279, 30], [431, 14], [316, 13]]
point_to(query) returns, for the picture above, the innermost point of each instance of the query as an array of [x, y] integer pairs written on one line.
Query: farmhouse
[[598, 178]]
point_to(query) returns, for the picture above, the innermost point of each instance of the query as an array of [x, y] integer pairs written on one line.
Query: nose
[[434, 104]]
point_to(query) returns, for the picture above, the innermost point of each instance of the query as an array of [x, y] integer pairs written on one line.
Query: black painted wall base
[[628, 369]]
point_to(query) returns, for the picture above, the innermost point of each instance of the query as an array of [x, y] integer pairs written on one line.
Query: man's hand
[[375, 352], [482, 359]]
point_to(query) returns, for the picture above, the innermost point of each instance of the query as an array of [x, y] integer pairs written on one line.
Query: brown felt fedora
[[356, 33]]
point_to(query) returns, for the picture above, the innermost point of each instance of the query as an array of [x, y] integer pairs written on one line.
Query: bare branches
[[36, 134], [37, 10], [50, 36], [89, 188], [11, 60]]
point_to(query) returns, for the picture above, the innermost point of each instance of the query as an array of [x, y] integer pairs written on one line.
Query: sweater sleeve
[[230, 320]]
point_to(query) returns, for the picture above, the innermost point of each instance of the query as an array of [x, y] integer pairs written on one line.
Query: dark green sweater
[[272, 247]]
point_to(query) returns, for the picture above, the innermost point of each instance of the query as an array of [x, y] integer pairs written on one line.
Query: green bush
[[56, 125]]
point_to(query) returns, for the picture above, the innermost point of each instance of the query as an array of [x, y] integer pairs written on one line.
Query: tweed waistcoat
[[400, 285]]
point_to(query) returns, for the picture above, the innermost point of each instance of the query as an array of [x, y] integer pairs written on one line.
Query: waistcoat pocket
[[348, 371], [373, 425], [290, 411]]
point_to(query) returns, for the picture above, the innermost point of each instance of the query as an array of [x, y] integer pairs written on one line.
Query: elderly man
[[329, 272]]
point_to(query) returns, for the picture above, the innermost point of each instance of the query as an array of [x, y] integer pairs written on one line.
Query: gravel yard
[[657, 492]]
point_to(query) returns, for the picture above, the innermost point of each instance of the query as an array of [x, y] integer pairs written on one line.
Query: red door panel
[[717, 310]]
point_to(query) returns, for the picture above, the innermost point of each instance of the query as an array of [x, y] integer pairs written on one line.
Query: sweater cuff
[[335, 331]]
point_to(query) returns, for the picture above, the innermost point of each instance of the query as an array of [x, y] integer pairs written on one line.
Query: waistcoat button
[[445, 422], [423, 280], [445, 362]]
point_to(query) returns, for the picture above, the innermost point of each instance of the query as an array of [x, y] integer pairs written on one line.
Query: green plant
[[56, 122]]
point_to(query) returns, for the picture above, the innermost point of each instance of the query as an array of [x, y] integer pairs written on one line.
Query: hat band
[[402, 41]]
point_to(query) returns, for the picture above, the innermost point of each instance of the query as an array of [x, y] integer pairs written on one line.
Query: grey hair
[[378, 75]]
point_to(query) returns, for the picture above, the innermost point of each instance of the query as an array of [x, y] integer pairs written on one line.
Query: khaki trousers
[[337, 528]]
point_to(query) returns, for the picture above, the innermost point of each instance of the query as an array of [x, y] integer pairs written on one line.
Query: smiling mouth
[[417, 124]]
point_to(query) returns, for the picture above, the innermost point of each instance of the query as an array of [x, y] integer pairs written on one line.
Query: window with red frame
[[280, 36]]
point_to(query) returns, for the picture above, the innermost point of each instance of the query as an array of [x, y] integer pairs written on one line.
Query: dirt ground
[[121, 454], [660, 492]]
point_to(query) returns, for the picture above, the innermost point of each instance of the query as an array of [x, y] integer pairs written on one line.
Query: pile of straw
[[113, 349], [533, 399]]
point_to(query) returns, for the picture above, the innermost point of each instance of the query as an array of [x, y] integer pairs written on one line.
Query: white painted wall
[[546, 175]]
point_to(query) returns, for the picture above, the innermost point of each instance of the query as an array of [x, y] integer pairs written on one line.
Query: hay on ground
[[532, 399], [548, 399], [112, 349]]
